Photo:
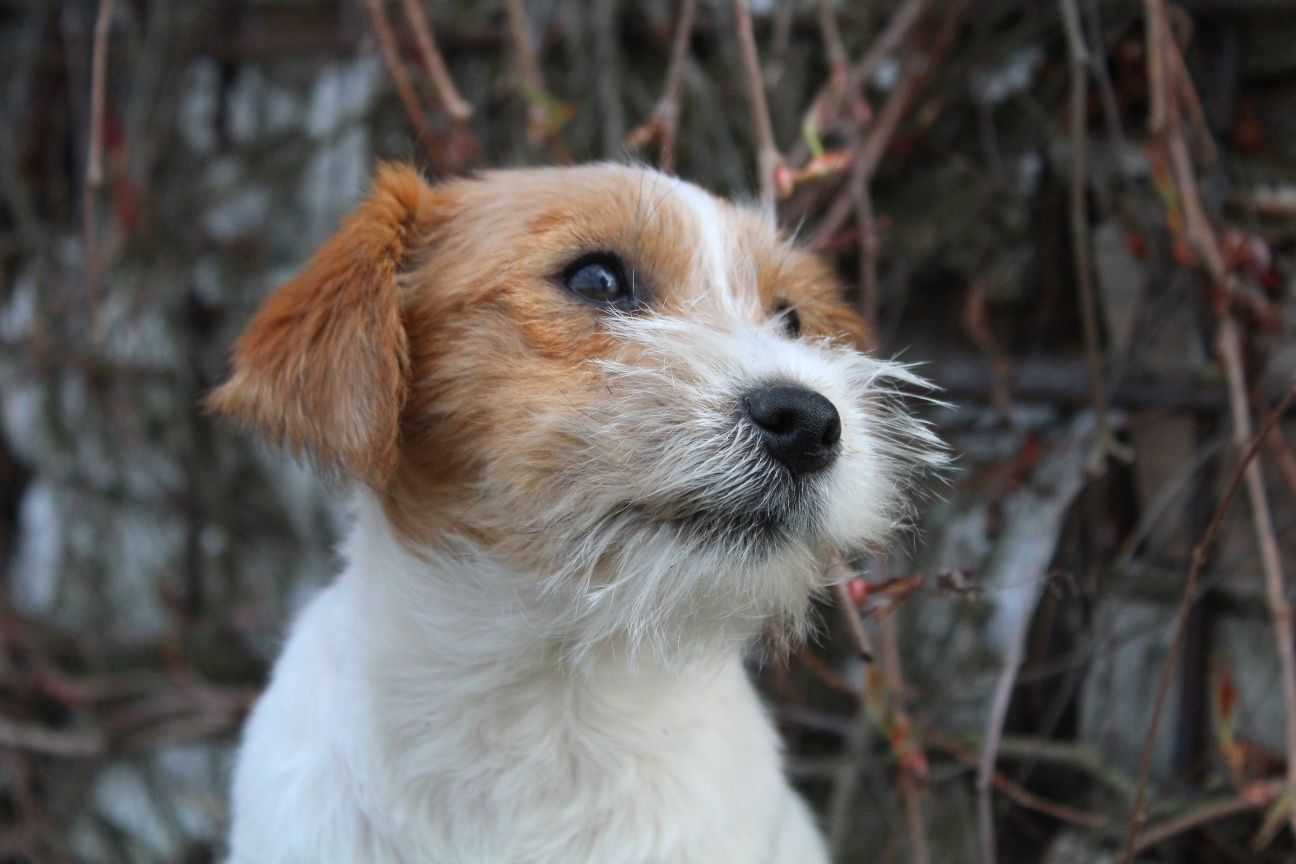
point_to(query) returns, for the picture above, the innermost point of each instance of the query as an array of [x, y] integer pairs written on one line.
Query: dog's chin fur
[[566, 530]]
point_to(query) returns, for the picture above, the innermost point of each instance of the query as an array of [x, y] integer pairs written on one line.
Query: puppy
[[604, 429]]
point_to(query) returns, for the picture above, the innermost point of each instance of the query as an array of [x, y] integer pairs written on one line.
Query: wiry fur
[[534, 652]]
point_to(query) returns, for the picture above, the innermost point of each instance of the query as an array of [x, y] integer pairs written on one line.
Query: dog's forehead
[[684, 234]]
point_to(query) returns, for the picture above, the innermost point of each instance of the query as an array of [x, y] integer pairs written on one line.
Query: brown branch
[[94, 174], [827, 104], [662, 126], [400, 78], [1020, 794], [1286, 461], [1256, 796], [990, 747], [867, 239], [768, 158], [1080, 67], [840, 576], [915, 71], [910, 786], [541, 125], [443, 85], [872, 147], [1280, 611], [1138, 810], [838, 62], [50, 742]]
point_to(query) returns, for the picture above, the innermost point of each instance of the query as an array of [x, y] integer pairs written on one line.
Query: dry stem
[[1280, 612], [910, 788], [443, 85], [768, 158], [1258, 795], [400, 78], [663, 125], [94, 159], [539, 126], [839, 575], [825, 107], [1080, 65]]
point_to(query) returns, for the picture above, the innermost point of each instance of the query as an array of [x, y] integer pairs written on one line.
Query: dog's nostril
[[799, 427], [832, 431]]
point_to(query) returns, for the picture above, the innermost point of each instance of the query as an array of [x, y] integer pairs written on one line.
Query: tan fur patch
[[322, 369]]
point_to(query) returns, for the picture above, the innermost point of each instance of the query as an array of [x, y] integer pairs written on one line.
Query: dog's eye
[[791, 320], [599, 279]]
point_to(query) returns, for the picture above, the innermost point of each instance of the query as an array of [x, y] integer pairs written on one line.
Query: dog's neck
[[452, 605], [443, 641]]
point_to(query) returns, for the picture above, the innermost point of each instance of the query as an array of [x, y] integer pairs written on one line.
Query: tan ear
[[323, 368]]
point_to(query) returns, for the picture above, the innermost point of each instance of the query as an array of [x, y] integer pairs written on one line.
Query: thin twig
[[768, 158], [50, 742], [662, 126], [604, 43], [1138, 810], [1286, 461], [1280, 611], [540, 124], [873, 146], [1020, 794], [910, 788], [866, 227], [839, 575], [838, 62], [94, 174], [400, 78], [915, 71], [1256, 796], [442, 84], [1080, 65], [1106, 94], [782, 38], [990, 747], [825, 106]]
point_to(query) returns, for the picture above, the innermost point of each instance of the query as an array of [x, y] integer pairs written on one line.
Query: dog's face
[[636, 396]]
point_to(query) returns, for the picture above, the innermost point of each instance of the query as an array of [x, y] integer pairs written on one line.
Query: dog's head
[[635, 394]]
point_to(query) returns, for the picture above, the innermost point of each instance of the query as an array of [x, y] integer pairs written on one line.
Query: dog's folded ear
[[323, 368]]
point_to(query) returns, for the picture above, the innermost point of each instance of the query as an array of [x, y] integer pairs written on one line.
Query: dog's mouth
[[755, 518]]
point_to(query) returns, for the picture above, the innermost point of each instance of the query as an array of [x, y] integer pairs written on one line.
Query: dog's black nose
[[799, 427]]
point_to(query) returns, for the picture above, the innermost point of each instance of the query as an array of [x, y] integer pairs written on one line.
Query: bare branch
[[663, 125], [768, 158], [827, 104], [1256, 796], [1080, 67], [400, 78], [94, 175], [840, 575], [50, 742], [542, 124], [911, 791], [443, 85]]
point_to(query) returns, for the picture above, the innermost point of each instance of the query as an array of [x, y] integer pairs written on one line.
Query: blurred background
[[1080, 215]]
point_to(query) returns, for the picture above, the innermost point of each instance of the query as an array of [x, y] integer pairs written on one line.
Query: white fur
[[583, 700], [414, 718]]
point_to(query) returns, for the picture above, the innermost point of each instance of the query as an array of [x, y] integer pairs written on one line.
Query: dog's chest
[[644, 769]]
